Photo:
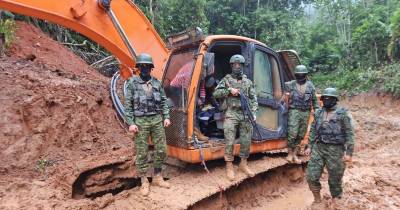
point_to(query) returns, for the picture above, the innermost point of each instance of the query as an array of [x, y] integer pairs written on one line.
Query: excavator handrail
[[91, 20]]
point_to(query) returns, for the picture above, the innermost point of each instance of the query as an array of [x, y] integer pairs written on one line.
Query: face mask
[[329, 102], [237, 70], [145, 72], [301, 78]]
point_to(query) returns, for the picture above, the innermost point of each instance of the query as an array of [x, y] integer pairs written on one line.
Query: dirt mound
[[32, 44], [56, 113]]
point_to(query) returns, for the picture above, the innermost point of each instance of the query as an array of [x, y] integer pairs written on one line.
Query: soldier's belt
[[300, 109], [147, 115], [330, 143]]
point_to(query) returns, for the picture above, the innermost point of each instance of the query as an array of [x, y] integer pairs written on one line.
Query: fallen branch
[[106, 59], [73, 44]]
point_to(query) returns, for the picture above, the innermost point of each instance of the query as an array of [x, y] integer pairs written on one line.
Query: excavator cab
[[194, 69]]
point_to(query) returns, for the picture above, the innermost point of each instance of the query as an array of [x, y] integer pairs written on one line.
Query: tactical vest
[[330, 131], [243, 84], [299, 100], [144, 102]]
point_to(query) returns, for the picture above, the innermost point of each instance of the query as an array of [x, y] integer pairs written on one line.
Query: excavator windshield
[[177, 76]]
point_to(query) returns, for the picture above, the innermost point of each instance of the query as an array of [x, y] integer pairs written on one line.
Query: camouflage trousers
[[328, 155], [234, 119], [150, 126], [297, 126]]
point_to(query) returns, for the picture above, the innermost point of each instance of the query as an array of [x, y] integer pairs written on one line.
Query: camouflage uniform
[[145, 106], [331, 136], [300, 105], [234, 116]]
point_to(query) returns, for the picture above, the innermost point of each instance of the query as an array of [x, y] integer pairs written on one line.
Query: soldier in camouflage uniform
[[147, 114], [229, 89], [331, 144], [301, 99]]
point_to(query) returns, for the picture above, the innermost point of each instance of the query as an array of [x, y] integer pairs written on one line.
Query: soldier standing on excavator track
[[229, 89], [331, 143], [147, 114], [302, 98]]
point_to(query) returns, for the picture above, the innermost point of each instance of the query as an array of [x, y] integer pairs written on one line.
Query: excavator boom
[[93, 21]]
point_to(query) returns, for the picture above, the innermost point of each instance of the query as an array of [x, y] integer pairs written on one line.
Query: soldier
[[301, 99], [147, 114], [331, 142], [229, 89]]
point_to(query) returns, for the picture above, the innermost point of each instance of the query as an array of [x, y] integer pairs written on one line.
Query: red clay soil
[[55, 114]]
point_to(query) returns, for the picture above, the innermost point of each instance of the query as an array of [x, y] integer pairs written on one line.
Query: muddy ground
[[57, 120]]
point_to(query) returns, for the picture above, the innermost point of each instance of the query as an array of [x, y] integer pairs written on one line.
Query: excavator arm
[[119, 26]]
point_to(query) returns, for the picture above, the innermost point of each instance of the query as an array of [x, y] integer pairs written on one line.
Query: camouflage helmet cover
[[300, 69], [333, 92], [144, 58], [237, 59]]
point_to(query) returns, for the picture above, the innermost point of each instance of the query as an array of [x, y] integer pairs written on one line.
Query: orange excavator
[[121, 28]]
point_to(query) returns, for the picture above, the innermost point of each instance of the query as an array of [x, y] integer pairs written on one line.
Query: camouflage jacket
[[338, 129], [139, 102], [222, 92]]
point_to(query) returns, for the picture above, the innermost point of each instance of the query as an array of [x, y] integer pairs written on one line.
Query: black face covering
[[301, 78], [145, 72], [329, 102], [237, 71]]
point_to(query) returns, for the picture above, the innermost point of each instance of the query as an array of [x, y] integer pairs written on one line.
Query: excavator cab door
[[268, 79], [290, 59]]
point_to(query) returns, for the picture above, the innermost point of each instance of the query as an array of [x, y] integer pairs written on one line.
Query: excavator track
[[195, 185], [190, 184], [96, 178]]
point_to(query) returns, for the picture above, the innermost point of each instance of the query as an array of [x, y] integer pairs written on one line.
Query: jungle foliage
[[352, 44]]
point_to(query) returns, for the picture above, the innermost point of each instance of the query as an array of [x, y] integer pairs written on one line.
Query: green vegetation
[[7, 27], [358, 80], [353, 45], [42, 165]]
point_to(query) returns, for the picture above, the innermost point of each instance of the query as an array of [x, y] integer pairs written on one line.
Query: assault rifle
[[244, 102]]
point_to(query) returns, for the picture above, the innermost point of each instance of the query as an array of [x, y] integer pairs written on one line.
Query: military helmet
[[333, 92], [144, 58], [237, 59], [300, 69]]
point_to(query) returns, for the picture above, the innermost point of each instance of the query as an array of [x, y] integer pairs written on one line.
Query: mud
[[57, 121], [268, 190]]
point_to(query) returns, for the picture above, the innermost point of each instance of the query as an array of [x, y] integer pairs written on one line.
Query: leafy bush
[[390, 79], [8, 28], [353, 81]]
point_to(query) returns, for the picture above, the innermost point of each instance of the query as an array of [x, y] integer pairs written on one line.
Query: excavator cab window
[[176, 81], [177, 76]]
